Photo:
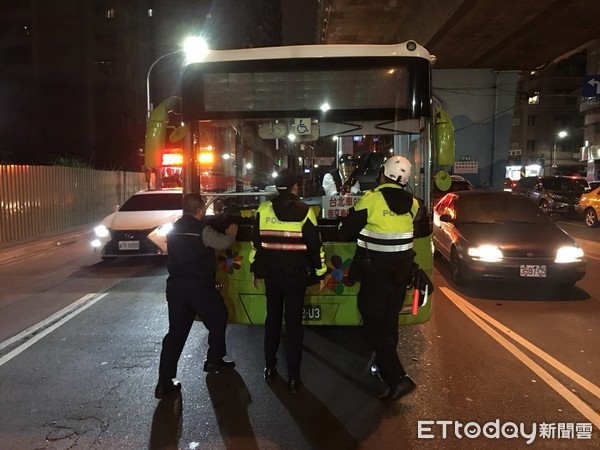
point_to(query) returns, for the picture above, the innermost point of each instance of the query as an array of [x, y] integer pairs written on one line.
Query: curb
[[14, 250]]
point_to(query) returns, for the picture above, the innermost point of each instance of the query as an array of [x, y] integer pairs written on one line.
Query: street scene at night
[[299, 225]]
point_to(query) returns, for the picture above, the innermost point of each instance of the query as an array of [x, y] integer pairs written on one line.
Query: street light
[[194, 48], [560, 135], [148, 103]]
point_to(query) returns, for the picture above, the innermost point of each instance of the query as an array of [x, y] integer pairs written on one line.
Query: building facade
[[547, 126], [590, 108], [74, 74]]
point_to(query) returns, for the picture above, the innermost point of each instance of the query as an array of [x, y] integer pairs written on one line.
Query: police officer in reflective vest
[[382, 222], [288, 254]]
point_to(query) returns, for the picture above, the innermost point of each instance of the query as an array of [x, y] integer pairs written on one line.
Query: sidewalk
[[14, 250]]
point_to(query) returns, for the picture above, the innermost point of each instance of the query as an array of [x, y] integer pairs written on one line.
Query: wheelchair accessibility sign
[[302, 127]]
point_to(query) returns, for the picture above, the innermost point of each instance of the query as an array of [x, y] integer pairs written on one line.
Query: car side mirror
[[446, 218], [115, 208]]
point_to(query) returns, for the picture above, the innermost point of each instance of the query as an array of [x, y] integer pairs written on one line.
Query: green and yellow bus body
[[248, 113]]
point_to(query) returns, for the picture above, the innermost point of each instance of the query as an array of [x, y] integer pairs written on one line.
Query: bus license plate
[[311, 312], [129, 245], [529, 270]]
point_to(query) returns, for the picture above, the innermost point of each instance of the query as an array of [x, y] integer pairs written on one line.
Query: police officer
[[340, 181], [288, 254], [382, 221], [191, 290]]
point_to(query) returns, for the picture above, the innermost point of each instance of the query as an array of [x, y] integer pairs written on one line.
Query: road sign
[[466, 167], [591, 86], [302, 127]]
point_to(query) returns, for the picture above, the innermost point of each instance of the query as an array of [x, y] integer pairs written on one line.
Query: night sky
[[299, 21]]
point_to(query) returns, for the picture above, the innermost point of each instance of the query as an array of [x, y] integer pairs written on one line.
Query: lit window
[[534, 98], [150, 12], [110, 13]]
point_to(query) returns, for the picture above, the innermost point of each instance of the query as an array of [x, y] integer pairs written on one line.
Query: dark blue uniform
[[190, 291]]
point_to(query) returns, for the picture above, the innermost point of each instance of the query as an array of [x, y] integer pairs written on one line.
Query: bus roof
[[408, 49]]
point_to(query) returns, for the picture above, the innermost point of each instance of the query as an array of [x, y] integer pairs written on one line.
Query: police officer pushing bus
[[287, 252], [382, 222]]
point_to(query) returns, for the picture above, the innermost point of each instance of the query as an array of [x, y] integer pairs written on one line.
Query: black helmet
[[285, 179], [347, 158]]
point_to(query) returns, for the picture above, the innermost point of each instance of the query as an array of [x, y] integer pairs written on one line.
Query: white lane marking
[[562, 390], [583, 382], [47, 321], [69, 315]]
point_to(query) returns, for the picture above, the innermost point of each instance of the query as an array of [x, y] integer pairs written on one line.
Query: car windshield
[[561, 184], [153, 202], [457, 185], [498, 209], [460, 186]]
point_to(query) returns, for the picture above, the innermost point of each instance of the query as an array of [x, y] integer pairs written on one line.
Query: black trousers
[[184, 302], [380, 300], [285, 298]]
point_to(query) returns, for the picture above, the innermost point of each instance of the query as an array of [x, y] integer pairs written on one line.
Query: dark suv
[[552, 194]]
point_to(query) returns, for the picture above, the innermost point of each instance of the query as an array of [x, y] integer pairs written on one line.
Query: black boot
[[164, 388], [215, 366], [398, 390]]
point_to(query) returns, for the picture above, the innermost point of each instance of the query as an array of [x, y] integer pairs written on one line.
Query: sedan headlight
[[164, 229], [488, 253], [568, 254], [101, 231]]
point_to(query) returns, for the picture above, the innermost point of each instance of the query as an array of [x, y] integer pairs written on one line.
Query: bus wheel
[[591, 219], [457, 269]]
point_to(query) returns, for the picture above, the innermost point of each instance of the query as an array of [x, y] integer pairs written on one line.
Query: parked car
[[589, 206], [509, 184], [503, 235], [140, 226], [553, 194], [458, 183], [583, 183]]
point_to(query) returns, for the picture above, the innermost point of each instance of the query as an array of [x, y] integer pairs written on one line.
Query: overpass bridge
[[467, 34], [482, 47]]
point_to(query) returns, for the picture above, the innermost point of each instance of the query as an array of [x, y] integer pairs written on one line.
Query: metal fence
[[39, 199]]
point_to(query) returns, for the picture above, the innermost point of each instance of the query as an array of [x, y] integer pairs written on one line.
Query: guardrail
[[35, 200]]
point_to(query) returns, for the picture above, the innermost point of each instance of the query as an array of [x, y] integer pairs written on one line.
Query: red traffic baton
[[415, 303]]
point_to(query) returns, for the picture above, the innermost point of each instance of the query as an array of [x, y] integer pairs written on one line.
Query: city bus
[[259, 110]]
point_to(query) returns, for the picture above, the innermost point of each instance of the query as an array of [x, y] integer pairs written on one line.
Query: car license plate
[[533, 270], [311, 312], [129, 245]]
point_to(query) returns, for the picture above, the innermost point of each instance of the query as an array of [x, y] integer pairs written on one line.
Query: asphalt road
[[493, 354]]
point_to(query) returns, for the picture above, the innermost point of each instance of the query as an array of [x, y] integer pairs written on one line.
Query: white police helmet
[[397, 168]]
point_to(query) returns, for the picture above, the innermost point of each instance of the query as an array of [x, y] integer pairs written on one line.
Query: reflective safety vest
[[276, 234], [385, 230], [285, 236]]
